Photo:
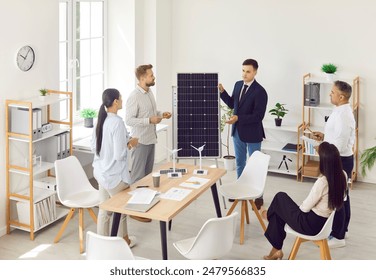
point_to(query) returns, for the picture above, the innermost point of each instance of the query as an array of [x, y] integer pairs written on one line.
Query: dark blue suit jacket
[[250, 111]]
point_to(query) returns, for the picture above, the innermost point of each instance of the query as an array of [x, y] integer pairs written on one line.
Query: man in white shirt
[[340, 131], [142, 116]]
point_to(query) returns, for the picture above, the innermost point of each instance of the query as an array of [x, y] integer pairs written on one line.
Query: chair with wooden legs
[[249, 186], [319, 239], [75, 191]]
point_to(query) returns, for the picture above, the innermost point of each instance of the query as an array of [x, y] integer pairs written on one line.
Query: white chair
[[99, 247], [214, 240], [319, 239], [249, 186], [75, 191]]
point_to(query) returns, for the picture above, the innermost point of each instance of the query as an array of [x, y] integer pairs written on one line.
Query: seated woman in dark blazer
[[326, 195]]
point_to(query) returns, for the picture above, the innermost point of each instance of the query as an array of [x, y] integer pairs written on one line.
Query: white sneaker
[[132, 241], [336, 243]]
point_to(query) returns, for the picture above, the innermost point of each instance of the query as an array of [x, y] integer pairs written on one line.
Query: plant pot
[[229, 162], [330, 77], [88, 122], [42, 97], [278, 122]]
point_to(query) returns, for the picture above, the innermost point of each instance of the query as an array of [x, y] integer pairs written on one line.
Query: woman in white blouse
[[109, 142], [326, 195]]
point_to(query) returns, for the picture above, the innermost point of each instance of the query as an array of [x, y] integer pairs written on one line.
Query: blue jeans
[[241, 152]]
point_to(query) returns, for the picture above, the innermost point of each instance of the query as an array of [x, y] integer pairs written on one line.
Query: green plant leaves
[[367, 160], [88, 113], [279, 110], [329, 68]]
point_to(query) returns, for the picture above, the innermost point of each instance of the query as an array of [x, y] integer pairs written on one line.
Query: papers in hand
[[194, 182], [309, 145], [142, 196], [311, 141]]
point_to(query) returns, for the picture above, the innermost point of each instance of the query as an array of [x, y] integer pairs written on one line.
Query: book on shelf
[[309, 145], [290, 147]]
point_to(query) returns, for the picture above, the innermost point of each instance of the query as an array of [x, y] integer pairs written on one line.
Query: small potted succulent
[[329, 69], [229, 160], [88, 115], [43, 92], [280, 111]]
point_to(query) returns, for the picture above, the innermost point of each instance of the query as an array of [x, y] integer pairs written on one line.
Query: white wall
[[22, 23], [288, 38]]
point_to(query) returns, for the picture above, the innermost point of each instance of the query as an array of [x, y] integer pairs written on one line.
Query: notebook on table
[[142, 207]]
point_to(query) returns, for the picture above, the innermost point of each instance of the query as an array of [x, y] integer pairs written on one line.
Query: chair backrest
[[255, 171], [215, 238], [326, 229], [99, 247], [70, 177]]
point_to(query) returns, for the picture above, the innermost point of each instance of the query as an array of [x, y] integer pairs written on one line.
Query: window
[[82, 41]]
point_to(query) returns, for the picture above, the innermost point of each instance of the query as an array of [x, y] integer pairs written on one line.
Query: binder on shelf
[[67, 144], [46, 183], [63, 141], [38, 122]]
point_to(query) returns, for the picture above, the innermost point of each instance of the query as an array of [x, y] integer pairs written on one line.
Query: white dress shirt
[[340, 129], [140, 107], [111, 166]]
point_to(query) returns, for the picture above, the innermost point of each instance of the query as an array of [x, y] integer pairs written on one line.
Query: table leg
[[216, 200], [115, 223], [162, 226]]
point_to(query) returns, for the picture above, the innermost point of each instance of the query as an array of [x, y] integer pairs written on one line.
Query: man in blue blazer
[[249, 100]]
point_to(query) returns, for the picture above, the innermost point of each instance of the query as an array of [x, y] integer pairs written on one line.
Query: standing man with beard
[[142, 116]]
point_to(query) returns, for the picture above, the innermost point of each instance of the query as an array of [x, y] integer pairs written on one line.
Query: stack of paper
[[194, 182], [142, 200]]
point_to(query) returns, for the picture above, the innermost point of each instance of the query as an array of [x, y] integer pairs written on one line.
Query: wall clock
[[25, 58]]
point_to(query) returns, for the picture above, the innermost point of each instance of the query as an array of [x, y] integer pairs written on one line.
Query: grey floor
[[359, 246]]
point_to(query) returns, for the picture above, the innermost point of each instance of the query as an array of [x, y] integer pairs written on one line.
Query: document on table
[[177, 194], [142, 196], [194, 182]]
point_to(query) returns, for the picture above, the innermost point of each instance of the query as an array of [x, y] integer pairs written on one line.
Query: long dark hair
[[331, 168], [108, 97]]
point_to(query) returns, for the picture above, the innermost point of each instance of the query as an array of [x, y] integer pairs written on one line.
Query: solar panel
[[196, 115]]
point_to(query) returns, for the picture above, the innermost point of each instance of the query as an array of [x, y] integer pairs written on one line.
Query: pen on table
[[141, 187]]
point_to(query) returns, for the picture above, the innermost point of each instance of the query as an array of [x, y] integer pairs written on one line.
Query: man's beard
[[150, 84]]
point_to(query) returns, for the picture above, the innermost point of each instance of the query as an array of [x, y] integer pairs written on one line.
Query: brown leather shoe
[[259, 202], [141, 219]]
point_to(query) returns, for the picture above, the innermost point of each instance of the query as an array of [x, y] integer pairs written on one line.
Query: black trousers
[[283, 210], [342, 217]]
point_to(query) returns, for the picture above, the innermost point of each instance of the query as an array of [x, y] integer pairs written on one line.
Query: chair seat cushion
[[86, 199], [238, 191]]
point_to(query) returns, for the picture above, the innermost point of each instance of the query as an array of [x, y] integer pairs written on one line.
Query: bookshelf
[[30, 155], [282, 144]]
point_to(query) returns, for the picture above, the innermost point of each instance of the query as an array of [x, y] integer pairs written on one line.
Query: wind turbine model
[[200, 171], [174, 174]]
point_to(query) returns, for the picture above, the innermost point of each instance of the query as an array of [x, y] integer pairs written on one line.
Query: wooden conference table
[[166, 209]]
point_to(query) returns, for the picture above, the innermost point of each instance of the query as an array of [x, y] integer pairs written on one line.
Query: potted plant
[[280, 111], [43, 92], [329, 69], [367, 160], [88, 114], [229, 160]]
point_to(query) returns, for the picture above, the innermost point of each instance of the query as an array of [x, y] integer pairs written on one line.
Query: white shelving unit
[[30, 208], [276, 138], [314, 116]]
